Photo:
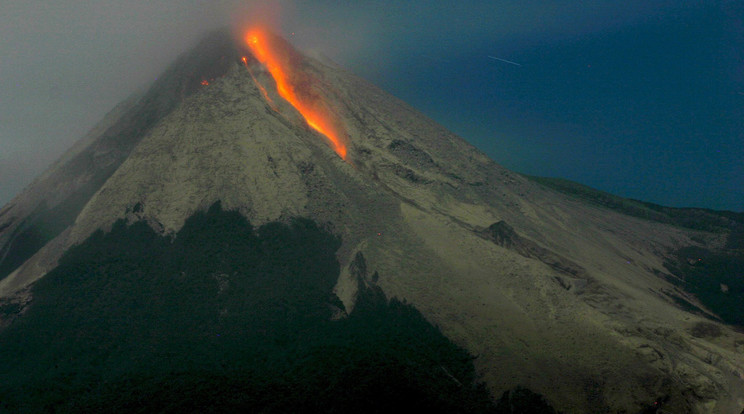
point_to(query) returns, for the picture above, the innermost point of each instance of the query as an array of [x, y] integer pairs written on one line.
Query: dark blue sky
[[650, 108], [641, 98]]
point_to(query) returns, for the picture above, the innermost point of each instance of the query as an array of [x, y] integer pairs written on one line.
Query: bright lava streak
[[289, 84]]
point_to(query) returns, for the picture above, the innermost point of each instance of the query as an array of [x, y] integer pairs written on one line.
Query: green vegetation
[[715, 278], [523, 401], [41, 226], [692, 218], [223, 318]]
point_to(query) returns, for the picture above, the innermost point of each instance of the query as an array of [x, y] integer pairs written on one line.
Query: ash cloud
[[65, 64]]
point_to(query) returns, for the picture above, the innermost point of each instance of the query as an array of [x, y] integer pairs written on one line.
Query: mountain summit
[[257, 198]]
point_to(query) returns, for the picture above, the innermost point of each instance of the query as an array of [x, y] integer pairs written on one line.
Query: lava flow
[[295, 86]]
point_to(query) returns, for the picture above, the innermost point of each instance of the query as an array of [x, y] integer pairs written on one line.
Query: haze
[[644, 99]]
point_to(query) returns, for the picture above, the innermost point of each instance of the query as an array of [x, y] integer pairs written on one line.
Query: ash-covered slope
[[52, 202], [571, 300]]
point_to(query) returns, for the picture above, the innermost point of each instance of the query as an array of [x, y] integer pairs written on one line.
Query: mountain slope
[[212, 323], [571, 300], [52, 202], [693, 218]]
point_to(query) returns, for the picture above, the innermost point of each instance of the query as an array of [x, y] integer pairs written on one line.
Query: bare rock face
[[549, 292]]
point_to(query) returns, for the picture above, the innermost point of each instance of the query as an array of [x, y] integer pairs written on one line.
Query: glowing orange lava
[[295, 86]]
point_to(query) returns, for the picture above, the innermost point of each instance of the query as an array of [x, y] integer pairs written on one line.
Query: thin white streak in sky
[[507, 61]]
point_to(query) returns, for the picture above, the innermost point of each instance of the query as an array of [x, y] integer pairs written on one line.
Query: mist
[[65, 64]]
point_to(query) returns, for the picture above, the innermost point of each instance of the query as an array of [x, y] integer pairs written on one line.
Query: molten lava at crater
[[295, 85]]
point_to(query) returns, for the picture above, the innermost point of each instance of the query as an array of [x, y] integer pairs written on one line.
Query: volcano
[[212, 245]]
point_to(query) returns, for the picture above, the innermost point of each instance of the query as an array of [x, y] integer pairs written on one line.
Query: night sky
[[644, 99]]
